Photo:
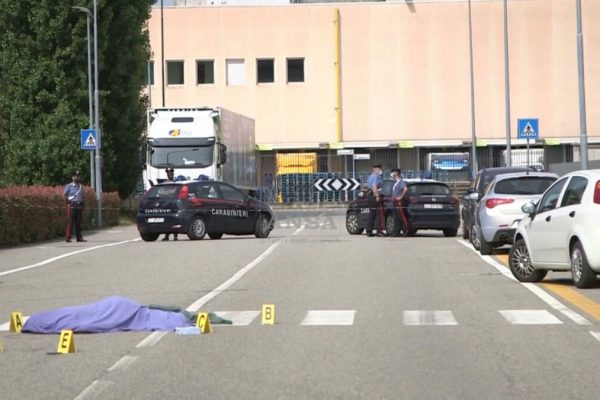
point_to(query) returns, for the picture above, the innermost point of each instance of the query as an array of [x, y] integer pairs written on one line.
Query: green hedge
[[34, 213]]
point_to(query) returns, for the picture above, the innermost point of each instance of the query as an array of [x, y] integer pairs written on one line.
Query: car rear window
[[428, 189], [524, 185], [167, 192]]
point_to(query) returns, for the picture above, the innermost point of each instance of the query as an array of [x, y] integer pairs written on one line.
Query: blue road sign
[[88, 139], [527, 128]]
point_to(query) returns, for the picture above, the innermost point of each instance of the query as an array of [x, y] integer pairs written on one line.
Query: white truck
[[200, 143]]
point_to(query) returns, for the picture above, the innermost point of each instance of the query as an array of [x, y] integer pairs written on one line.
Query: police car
[[429, 204], [200, 208]]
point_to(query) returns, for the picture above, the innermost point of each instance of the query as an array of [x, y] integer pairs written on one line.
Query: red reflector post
[[491, 203]]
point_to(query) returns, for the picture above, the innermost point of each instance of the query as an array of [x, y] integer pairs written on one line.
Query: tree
[[44, 90]]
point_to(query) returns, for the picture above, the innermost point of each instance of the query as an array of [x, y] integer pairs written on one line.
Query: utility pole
[[583, 148]]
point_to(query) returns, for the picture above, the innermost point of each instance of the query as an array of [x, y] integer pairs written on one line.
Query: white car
[[499, 210], [561, 232]]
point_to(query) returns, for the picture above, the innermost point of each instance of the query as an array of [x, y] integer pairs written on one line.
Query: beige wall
[[405, 68]]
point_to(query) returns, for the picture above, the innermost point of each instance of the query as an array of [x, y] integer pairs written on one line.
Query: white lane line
[[94, 390], [539, 292], [329, 317], [73, 253], [195, 306], [426, 318], [530, 317], [151, 340], [596, 335], [4, 326], [123, 363], [238, 318]]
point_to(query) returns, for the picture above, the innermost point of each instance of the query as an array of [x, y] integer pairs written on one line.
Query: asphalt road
[[356, 318]]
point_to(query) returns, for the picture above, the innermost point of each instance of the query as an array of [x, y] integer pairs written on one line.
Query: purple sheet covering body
[[111, 314]]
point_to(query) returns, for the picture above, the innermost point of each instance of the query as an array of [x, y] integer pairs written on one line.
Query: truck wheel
[[583, 275], [352, 224], [197, 229], [215, 236], [149, 237], [261, 230], [520, 264]]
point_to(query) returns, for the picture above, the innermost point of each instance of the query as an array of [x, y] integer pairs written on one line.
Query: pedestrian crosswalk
[[410, 318]]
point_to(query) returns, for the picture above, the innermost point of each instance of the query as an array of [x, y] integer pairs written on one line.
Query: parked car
[[499, 210], [429, 204], [478, 186], [561, 232], [202, 207]]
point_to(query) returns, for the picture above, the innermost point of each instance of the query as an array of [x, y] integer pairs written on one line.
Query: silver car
[[499, 210]]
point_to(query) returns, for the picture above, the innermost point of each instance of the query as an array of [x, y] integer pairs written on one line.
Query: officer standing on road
[[399, 191], [170, 178], [374, 184], [73, 194]]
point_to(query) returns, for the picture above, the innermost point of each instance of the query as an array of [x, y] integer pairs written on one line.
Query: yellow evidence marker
[[16, 322], [203, 322], [66, 342], [1, 347], [268, 314]]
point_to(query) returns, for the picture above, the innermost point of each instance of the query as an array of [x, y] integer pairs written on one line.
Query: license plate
[[155, 220], [433, 206]]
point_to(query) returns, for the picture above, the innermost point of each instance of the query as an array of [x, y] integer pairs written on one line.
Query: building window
[[174, 72], [236, 72], [265, 70], [205, 72], [150, 73], [295, 70]]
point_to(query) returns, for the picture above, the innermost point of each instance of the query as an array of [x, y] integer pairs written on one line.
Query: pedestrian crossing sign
[[527, 128], [88, 139]]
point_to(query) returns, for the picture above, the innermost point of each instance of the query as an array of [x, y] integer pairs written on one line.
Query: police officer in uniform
[[374, 183], [73, 194], [170, 178], [399, 191]]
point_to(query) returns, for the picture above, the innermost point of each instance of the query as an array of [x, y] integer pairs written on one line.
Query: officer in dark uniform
[[73, 194], [399, 191], [374, 184], [170, 178]]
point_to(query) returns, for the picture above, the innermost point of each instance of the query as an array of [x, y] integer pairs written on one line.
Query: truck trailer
[[200, 143]]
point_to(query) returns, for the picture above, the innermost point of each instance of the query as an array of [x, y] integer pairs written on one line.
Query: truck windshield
[[182, 157]]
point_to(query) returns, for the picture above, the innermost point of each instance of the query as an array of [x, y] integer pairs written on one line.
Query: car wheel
[[474, 237], [197, 229], [215, 236], [261, 229], [465, 231], [450, 232], [485, 247], [390, 224], [520, 264], [149, 237], [352, 225], [583, 275]]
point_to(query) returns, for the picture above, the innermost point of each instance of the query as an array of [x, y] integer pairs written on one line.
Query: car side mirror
[[528, 208], [474, 196]]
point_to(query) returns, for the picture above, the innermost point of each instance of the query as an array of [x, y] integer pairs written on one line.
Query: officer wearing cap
[[399, 191], [170, 178], [73, 194], [374, 183]]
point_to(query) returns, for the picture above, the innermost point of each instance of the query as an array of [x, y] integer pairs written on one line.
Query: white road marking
[[596, 335], [4, 327], [329, 317], [539, 292], [530, 317], [123, 363], [73, 253], [424, 317], [238, 318], [94, 390], [151, 339]]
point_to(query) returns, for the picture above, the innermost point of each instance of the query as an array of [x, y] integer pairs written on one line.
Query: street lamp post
[[583, 148], [507, 86], [91, 112], [473, 131], [97, 119]]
